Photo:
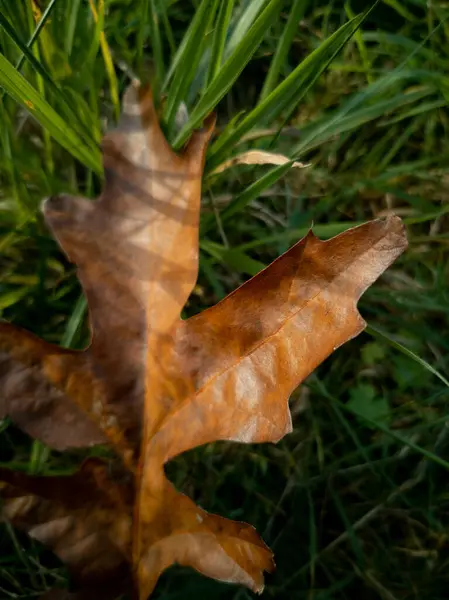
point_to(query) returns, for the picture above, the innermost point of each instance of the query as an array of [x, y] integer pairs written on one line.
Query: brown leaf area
[[85, 518], [153, 385]]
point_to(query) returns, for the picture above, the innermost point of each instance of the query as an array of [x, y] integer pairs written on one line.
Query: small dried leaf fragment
[[155, 385], [257, 157]]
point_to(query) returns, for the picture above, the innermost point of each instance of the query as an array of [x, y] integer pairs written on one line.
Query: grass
[[355, 502]]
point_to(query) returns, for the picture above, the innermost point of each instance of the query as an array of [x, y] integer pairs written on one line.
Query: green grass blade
[[244, 22], [26, 53], [376, 333], [71, 25], [74, 323], [94, 38], [19, 192], [231, 69], [399, 438], [361, 46], [98, 15], [144, 14], [386, 42], [219, 39], [186, 62], [45, 15], [417, 110], [10, 298], [180, 53], [169, 36], [156, 44], [25, 94], [352, 535], [401, 9], [296, 14]]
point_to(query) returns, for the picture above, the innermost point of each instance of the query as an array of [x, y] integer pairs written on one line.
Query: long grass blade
[[107, 57], [219, 39], [376, 333], [187, 60], [156, 45], [296, 14], [71, 25], [39, 27], [244, 21]]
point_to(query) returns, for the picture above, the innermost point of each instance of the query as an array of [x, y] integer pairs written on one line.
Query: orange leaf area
[[153, 385]]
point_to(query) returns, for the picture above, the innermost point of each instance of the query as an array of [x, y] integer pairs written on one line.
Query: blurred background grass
[[355, 502]]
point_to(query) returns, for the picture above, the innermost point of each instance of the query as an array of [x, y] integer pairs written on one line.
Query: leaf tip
[[196, 146]]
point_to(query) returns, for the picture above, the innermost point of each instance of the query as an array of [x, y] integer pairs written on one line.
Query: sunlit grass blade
[[296, 14], [24, 93], [231, 69]]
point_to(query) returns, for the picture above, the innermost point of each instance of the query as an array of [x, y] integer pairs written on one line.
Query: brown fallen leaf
[[155, 385]]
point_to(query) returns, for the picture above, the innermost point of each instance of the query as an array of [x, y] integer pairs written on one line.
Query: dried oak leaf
[[155, 385]]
